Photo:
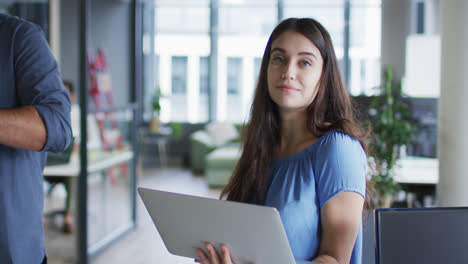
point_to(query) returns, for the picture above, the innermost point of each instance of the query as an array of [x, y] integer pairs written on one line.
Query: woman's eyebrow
[[278, 49], [307, 53], [299, 53]]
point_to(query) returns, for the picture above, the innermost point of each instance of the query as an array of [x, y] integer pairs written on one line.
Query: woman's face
[[294, 71]]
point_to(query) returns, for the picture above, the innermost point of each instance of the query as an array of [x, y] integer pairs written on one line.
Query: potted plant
[[155, 123], [392, 130]]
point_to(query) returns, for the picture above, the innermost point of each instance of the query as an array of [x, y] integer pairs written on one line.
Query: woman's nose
[[289, 72]]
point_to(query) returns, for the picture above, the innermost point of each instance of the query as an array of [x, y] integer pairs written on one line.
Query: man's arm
[[41, 119], [22, 128]]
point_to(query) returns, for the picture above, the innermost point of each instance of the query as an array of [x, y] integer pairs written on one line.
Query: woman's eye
[[277, 59], [306, 63]]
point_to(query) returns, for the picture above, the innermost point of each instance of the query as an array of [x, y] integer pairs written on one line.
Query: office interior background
[[200, 60]]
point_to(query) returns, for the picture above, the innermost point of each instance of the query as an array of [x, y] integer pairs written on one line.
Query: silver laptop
[[254, 234]]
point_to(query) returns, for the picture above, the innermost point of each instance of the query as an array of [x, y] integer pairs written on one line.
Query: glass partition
[[112, 102], [110, 159]]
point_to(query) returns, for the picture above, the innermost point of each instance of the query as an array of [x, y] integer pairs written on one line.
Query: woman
[[303, 151]]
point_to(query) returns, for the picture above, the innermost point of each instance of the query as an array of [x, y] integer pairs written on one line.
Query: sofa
[[214, 152]]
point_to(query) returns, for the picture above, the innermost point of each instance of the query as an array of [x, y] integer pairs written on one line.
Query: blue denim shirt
[[28, 76]]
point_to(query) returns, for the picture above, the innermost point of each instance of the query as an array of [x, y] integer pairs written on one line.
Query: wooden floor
[[144, 244]]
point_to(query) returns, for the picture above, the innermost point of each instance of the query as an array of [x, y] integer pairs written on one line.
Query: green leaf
[[391, 129]]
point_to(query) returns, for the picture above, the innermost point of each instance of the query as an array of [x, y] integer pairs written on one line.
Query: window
[[234, 92], [330, 13], [204, 76], [182, 16], [234, 75], [181, 48], [179, 75], [244, 28], [182, 44], [204, 86], [364, 50], [248, 17], [178, 95], [257, 66], [365, 23]]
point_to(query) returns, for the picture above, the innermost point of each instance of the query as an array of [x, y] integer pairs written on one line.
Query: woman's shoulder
[[335, 136], [335, 141], [331, 142]]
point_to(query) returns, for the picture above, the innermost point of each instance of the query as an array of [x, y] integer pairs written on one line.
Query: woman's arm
[[340, 218]]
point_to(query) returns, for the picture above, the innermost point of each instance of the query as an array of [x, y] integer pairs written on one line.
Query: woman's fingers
[[226, 254], [213, 257], [203, 258], [213, 254]]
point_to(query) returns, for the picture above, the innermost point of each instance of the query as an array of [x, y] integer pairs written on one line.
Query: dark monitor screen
[[423, 235]]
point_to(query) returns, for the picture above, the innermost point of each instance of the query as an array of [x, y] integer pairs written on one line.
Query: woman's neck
[[295, 136]]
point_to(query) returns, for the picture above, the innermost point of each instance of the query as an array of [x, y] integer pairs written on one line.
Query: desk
[[97, 161], [416, 170], [418, 178], [68, 173], [148, 139]]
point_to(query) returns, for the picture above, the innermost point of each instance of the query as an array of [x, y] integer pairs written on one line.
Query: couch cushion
[[222, 132], [203, 137], [225, 157]]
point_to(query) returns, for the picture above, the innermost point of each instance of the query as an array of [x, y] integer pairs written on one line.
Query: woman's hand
[[213, 257]]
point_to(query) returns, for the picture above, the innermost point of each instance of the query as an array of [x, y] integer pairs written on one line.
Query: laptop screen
[[423, 235]]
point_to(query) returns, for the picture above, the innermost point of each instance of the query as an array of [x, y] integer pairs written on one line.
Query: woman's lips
[[287, 88]]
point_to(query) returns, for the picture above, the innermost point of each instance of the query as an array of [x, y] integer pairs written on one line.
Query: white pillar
[[453, 106], [54, 28]]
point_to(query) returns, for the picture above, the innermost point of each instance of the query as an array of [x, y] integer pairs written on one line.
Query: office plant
[[155, 123], [391, 130]]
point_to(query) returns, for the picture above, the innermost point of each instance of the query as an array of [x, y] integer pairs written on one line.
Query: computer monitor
[[421, 235]]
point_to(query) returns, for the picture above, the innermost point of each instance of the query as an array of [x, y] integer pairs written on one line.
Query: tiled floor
[[144, 244]]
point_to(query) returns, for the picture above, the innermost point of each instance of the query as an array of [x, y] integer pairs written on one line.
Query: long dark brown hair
[[331, 109]]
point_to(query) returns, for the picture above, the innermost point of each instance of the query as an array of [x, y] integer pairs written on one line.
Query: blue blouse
[[302, 183]]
